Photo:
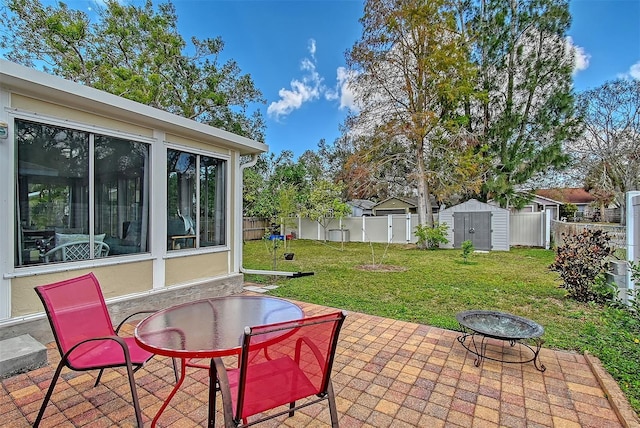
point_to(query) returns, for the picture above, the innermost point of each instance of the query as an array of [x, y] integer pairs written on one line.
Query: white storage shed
[[485, 225]]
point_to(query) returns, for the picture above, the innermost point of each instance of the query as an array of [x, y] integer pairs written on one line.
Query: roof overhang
[[36, 84]]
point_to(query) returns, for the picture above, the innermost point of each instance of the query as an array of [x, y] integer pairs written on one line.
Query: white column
[[8, 210], [408, 223], [364, 229], [547, 228], [389, 228], [158, 207]]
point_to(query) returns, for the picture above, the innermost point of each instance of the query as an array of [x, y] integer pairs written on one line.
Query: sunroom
[[147, 200]]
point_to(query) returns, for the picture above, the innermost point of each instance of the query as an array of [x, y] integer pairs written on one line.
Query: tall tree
[[413, 72], [525, 73], [137, 53], [609, 152]]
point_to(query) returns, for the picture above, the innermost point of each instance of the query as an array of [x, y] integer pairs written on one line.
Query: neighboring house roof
[[30, 82], [361, 203], [568, 195], [410, 202], [545, 201]]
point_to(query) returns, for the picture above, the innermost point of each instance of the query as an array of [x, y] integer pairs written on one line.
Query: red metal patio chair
[[85, 336], [280, 364]]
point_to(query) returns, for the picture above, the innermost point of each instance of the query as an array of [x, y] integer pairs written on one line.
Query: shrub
[[634, 307], [580, 260], [432, 237], [568, 210], [467, 249]]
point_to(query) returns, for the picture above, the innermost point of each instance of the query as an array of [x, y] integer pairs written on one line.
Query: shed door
[[474, 227]]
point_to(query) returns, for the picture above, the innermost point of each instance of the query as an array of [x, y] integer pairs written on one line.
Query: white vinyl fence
[[526, 229]]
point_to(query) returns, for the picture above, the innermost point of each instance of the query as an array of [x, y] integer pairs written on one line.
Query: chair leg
[[292, 406], [333, 411], [98, 378], [134, 395], [223, 384], [48, 395], [175, 369]]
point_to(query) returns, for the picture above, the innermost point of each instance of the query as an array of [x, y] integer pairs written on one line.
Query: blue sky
[[294, 51]]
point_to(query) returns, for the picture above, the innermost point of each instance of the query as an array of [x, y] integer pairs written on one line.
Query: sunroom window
[[196, 200], [80, 195]]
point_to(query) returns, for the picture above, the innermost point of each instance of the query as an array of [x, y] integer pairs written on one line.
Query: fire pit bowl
[[500, 325]]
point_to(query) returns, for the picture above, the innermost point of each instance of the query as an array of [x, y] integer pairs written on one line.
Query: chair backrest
[[76, 310], [309, 342], [78, 250]]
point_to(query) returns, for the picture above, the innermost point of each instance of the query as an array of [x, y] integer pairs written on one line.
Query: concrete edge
[[614, 394]]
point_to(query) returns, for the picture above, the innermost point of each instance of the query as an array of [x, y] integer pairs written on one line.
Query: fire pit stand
[[501, 326]]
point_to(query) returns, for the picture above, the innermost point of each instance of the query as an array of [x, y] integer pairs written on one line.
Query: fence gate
[[474, 227]]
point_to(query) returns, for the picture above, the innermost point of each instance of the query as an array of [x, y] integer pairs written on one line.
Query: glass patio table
[[208, 328]]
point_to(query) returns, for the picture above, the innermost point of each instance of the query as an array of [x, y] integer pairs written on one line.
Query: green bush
[[432, 237], [580, 260]]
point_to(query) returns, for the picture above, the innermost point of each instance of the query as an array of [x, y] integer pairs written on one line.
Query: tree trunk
[[425, 211]]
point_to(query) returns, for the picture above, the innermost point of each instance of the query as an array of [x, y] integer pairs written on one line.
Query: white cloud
[[580, 57], [634, 71], [308, 88], [344, 90], [312, 48]]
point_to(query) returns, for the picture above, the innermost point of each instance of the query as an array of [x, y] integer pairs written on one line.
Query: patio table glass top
[[210, 327]]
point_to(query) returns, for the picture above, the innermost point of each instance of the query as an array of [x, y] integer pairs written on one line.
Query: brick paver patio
[[387, 373]]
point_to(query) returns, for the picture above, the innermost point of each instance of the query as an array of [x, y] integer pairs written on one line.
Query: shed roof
[[473, 204]]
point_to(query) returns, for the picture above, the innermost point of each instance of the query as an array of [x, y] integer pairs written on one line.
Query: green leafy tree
[[568, 210], [412, 73], [527, 109], [324, 203], [275, 178], [137, 53]]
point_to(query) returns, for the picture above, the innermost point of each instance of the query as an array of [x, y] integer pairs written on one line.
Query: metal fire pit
[[501, 326]]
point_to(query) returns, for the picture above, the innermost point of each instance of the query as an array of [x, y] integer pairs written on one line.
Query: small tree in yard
[[580, 260], [467, 250], [325, 203], [287, 206]]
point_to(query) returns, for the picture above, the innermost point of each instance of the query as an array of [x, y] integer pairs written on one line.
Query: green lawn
[[435, 285]]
